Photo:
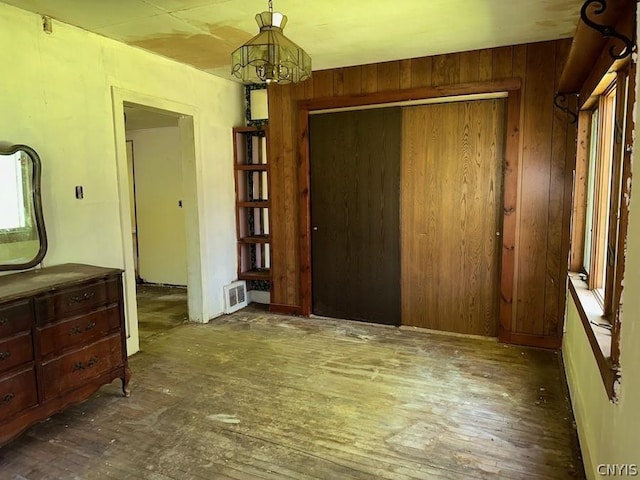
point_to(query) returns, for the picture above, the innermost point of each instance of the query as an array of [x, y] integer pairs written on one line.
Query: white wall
[[610, 433], [56, 96], [162, 245]]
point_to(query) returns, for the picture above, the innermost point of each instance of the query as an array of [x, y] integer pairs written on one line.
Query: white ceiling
[[335, 33]]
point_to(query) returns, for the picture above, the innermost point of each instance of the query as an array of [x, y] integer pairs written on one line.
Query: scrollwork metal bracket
[[607, 31], [562, 102]]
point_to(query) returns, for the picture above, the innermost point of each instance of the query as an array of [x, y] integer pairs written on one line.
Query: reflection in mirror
[[23, 240]]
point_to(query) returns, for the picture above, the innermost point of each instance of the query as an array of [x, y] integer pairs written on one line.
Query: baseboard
[[579, 417], [285, 309], [528, 340]]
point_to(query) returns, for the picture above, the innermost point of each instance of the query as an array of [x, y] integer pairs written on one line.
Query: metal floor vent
[[235, 296]]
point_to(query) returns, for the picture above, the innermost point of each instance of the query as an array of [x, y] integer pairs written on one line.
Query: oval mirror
[[23, 240]]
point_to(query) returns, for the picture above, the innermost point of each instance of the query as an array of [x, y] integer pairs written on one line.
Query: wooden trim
[[235, 132], [510, 194], [624, 217], [409, 94], [253, 204], [578, 216], [608, 370], [603, 68], [589, 44], [567, 233], [527, 340], [262, 167], [606, 119], [510, 213], [304, 182], [614, 200], [285, 309]]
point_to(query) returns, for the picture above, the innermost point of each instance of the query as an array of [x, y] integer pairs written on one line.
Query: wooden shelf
[[255, 239], [251, 172], [264, 274], [254, 204], [253, 167]]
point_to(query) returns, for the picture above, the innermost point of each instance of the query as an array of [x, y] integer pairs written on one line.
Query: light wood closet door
[[451, 184]]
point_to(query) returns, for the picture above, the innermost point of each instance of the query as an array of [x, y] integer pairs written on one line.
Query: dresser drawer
[[15, 351], [82, 330], [73, 301], [80, 366], [17, 392], [15, 317]]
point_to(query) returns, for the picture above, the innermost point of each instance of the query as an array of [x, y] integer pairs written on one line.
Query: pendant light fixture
[[270, 56]]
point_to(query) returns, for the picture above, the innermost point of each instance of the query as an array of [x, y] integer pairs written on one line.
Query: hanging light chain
[[271, 6]]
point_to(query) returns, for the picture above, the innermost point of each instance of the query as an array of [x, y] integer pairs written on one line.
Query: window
[[599, 198], [12, 215], [599, 217]]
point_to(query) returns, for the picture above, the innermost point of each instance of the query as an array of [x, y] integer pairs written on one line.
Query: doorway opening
[[158, 227], [146, 116]]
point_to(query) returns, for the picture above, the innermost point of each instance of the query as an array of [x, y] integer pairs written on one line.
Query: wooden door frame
[[511, 164]]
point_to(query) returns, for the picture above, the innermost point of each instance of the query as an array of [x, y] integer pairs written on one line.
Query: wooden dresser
[[62, 336]]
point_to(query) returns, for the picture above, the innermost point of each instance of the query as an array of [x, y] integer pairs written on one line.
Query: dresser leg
[[125, 381]]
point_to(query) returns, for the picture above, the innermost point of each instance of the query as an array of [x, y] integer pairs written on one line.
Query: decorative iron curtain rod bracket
[[607, 31], [559, 100]]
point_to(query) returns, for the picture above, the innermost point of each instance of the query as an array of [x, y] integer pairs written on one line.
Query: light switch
[[79, 192]]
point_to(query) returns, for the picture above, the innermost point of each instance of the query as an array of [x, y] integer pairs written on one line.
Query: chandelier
[[270, 56]]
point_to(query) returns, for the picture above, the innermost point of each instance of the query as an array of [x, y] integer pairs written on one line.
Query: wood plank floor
[[256, 395]]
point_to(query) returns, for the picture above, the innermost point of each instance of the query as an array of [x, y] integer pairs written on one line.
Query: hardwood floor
[[256, 395]]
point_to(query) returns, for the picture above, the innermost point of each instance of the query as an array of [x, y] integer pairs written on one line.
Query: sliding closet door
[[451, 200], [355, 197]]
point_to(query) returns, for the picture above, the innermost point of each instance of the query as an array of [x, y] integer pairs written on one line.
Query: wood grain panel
[[446, 69], [556, 264], [534, 226], [290, 193], [502, 66], [421, 72], [510, 214], [528, 63], [485, 64], [352, 81], [470, 66], [369, 78], [279, 254], [322, 86], [451, 189], [405, 74], [388, 76], [355, 180]]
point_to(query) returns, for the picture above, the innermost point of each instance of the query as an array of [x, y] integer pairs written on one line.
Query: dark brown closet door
[[451, 214], [355, 197]]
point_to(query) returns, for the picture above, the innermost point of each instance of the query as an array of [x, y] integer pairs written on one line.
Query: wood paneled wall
[[546, 156]]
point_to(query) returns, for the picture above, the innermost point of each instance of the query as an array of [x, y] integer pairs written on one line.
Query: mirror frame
[[37, 208]]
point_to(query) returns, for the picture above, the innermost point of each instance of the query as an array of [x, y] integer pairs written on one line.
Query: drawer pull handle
[[81, 298], [3, 321], [8, 397], [75, 330], [4, 355], [82, 366]]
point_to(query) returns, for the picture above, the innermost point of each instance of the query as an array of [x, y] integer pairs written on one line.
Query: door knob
[[315, 228]]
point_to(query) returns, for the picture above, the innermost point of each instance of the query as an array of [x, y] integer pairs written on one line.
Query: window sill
[[590, 311]]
